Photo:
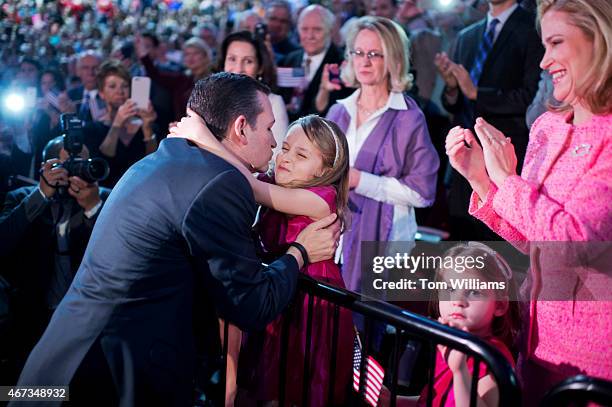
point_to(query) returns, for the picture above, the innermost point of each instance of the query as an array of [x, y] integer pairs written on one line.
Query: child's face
[[300, 159], [470, 308]]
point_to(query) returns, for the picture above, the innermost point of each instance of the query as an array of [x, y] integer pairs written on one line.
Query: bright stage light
[[14, 102]]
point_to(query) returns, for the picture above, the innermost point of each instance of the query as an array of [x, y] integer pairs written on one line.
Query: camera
[[261, 30], [89, 170]]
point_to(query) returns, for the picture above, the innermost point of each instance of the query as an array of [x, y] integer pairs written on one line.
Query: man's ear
[[238, 130]]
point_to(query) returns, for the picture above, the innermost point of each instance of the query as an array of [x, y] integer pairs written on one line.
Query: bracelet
[[302, 251]]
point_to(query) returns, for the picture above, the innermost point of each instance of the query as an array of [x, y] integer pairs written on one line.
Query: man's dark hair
[[31, 61], [220, 98]]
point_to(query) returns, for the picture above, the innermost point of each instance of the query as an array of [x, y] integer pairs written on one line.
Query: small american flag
[[97, 108], [290, 77], [374, 375]]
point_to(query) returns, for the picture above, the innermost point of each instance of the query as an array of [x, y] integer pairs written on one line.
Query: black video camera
[[89, 170]]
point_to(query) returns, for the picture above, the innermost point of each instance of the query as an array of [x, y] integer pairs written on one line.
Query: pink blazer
[[564, 194]]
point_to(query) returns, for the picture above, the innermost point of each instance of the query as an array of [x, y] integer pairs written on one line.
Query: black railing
[[405, 323], [579, 391]]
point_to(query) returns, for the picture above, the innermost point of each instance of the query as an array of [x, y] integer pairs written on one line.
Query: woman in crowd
[[125, 134], [393, 162], [563, 195], [50, 87], [197, 60], [242, 53]]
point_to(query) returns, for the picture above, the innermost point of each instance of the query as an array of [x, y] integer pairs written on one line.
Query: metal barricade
[[579, 391], [416, 326]]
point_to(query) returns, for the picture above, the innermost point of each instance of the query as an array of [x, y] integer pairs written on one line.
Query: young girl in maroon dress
[[310, 181]]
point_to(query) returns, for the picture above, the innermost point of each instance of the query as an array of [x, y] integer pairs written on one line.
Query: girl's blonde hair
[[495, 269], [594, 19], [331, 142], [395, 48]]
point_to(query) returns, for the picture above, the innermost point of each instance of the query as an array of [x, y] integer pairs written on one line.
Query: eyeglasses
[[371, 55]]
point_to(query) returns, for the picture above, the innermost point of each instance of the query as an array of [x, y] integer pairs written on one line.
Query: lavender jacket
[[399, 147]]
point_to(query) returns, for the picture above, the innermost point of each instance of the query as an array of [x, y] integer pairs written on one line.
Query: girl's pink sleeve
[[487, 214]]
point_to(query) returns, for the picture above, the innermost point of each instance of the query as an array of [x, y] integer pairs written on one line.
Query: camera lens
[[97, 169]]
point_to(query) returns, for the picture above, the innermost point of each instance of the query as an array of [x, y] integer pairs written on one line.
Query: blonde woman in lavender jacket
[[564, 194]]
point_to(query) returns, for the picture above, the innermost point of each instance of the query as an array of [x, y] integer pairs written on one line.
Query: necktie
[[84, 110], [483, 51], [307, 69]]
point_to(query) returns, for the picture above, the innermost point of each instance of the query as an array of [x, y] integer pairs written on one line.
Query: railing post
[[306, 376]]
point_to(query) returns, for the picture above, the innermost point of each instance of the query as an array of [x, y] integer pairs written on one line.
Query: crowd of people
[[362, 120]]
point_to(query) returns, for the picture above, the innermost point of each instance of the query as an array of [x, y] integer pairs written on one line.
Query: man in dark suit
[[43, 234], [179, 221], [315, 24], [493, 74], [88, 103]]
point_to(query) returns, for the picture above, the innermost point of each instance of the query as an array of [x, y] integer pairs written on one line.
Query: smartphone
[[334, 74], [261, 30], [141, 91]]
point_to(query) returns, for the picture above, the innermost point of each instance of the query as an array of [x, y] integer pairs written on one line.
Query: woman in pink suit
[[564, 194]]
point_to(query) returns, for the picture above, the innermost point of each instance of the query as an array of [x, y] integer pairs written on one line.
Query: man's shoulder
[[180, 162], [75, 93], [293, 58], [471, 30], [18, 195], [333, 54]]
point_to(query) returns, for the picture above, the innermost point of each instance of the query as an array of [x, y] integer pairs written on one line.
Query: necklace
[[369, 112]]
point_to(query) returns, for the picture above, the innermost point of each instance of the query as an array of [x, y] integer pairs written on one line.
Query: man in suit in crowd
[[493, 74], [88, 103], [44, 230], [175, 230], [315, 24], [280, 24]]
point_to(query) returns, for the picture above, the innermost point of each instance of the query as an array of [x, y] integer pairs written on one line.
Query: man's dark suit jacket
[[28, 245], [507, 85], [295, 60], [179, 217], [76, 96]]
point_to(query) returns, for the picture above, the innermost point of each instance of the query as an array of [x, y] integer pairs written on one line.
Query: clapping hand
[[499, 155], [445, 67], [467, 86], [465, 154]]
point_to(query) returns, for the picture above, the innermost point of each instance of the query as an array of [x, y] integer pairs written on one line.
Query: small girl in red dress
[[314, 163]]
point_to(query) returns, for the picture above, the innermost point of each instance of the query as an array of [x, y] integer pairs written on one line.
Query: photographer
[[44, 231]]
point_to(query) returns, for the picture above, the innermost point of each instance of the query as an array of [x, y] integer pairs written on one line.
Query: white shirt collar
[[395, 101], [502, 18], [315, 62], [92, 93]]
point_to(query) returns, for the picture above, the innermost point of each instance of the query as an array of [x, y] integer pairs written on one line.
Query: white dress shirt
[[315, 63]]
